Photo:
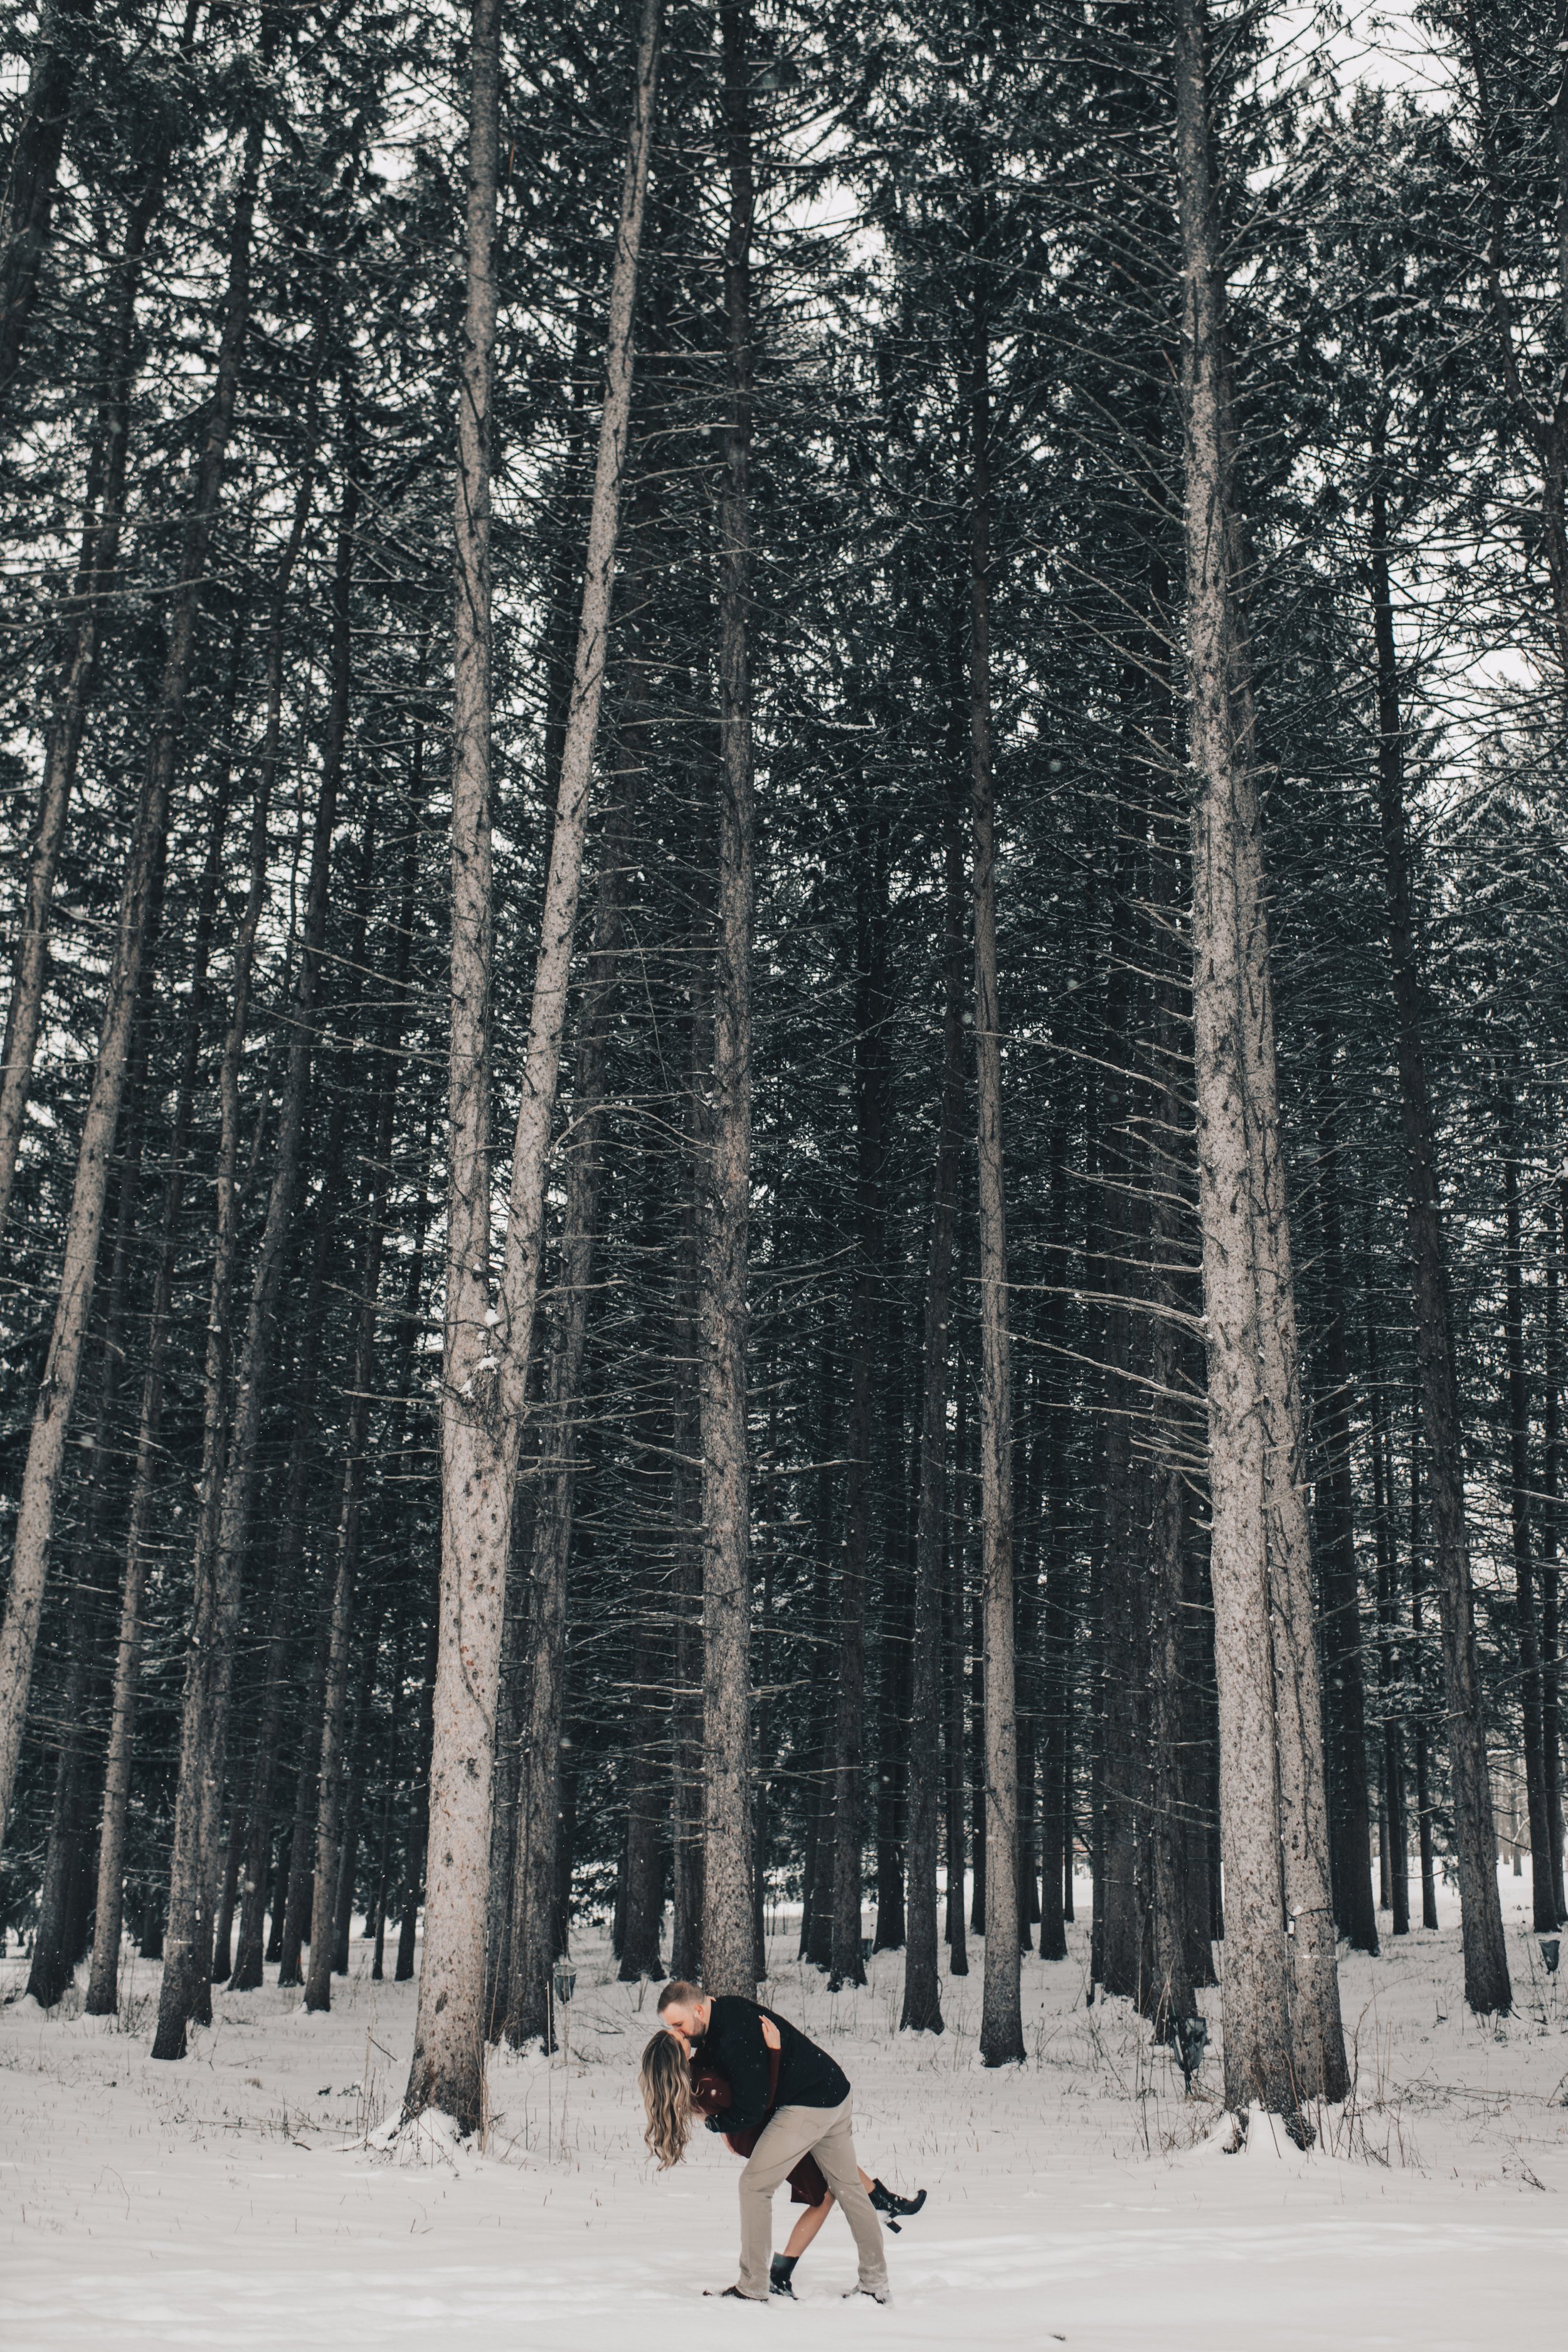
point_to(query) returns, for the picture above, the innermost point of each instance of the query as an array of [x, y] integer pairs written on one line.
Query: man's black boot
[[780, 2275]]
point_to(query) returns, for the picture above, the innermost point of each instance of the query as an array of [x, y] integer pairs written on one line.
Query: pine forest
[[783, 1148]]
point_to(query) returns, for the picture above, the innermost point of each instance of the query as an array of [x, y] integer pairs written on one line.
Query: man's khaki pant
[[794, 2132]]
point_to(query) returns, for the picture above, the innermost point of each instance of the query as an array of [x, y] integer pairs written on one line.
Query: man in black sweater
[[808, 2114]]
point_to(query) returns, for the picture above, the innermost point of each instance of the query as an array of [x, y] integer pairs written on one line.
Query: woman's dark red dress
[[711, 2091]]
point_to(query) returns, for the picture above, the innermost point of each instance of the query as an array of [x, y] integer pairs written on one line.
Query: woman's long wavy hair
[[665, 2080]]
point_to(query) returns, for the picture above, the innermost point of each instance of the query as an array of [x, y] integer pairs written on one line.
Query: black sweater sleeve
[[733, 2044]]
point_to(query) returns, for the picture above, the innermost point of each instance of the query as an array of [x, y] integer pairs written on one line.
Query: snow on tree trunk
[[1284, 2044], [489, 1327], [728, 1942]]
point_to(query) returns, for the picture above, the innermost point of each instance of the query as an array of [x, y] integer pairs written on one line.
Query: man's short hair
[[678, 1991]]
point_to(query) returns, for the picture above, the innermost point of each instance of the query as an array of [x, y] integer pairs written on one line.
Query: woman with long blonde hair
[[674, 2096], [663, 2079]]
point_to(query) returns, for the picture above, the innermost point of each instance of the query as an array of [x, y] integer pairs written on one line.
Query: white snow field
[[234, 2200]]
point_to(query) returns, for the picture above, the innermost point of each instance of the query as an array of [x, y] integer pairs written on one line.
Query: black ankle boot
[[780, 2275], [885, 2202]]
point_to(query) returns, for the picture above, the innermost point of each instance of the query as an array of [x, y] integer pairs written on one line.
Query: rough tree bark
[[1001, 2026], [1284, 2043], [1552, 1473], [729, 1944], [923, 1980], [489, 1326]]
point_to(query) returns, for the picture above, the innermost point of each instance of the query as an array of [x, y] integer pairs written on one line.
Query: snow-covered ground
[[233, 2200]]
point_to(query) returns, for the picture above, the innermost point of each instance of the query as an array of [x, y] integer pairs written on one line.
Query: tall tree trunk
[[487, 1345], [335, 1749], [413, 1362], [1027, 1640], [292, 1899], [248, 1958], [1121, 1229], [816, 1908], [686, 1789], [54, 1938], [1551, 1474], [291, 1894], [327, 1863], [103, 1984], [1544, 428], [513, 1690], [94, 582], [1284, 2043], [651, 1717], [923, 1978], [341, 1907], [956, 1654], [1350, 1823], [222, 1927], [64, 38], [894, 1614], [377, 1922], [537, 1836], [1177, 1926], [418, 1812], [643, 1911], [57, 1393], [1487, 1986], [1418, 1728], [50, 1971], [1526, 1613], [1055, 1681], [729, 1943], [1001, 2027], [866, 1349], [233, 1413], [1391, 1685]]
